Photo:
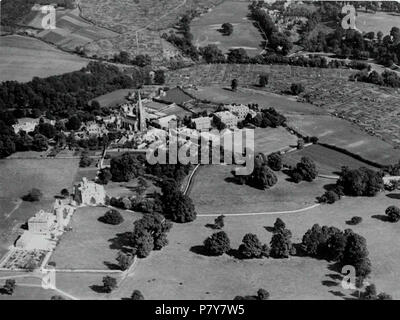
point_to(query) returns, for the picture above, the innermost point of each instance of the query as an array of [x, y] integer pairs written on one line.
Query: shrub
[[64, 193], [33, 195], [262, 294], [9, 286], [300, 144], [124, 260], [112, 217], [217, 244], [275, 161], [109, 284], [296, 88], [137, 295], [354, 221], [219, 222], [329, 197], [393, 213]]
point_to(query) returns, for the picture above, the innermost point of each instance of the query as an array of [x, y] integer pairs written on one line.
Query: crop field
[[17, 177], [23, 58], [328, 161], [214, 191], [245, 35], [92, 244], [379, 21], [170, 271]]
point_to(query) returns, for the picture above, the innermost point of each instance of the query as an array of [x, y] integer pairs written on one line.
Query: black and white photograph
[[199, 150]]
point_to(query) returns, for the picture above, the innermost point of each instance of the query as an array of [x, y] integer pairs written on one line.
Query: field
[[17, 177], [328, 91], [114, 98], [270, 140], [328, 161], [214, 191], [345, 135], [245, 35], [379, 21], [23, 58], [91, 244]]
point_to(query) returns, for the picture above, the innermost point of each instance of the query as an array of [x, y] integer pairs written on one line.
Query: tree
[[393, 213], [275, 161], [85, 161], [137, 295], [9, 286], [39, 143], [251, 247], [125, 167], [300, 144], [356, 254], [279, 225], [124, 260], [112, 217], [262, 294], [217, 244], [219, 222], [180, 208], [305, 170], [263, 80], [263, 177], [109, 284], [64, 193], [237, 56], [57, 297], [234, 84], [33, 195], [212, 54], [227, 29], [296, 88], [73, 123], [104, 176], [159, 77], [281, 245]]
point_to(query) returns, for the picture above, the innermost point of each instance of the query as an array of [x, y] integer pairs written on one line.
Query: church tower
[[140, 114]]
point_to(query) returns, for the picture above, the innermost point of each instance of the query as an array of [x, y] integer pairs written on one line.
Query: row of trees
[[387, 78], [251, 247]]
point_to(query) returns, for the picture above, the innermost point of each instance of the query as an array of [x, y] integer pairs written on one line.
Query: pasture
[[345, 135], [328, 161], [245, 35], [169, 273], [92, 244], [379, 21], [22, 58], [214, 191]]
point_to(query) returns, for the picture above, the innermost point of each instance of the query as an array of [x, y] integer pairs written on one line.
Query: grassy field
[[23, 58], [17, 177], [270, 140], [328, 161], [91, 244], [214, 191], [245, 34], [379, 21], [345, 135], [181, 272]]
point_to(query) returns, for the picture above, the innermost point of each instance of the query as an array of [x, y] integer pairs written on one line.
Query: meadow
[[22, 58], [92, 244], [245, 34], [379, 21], [180, 271]]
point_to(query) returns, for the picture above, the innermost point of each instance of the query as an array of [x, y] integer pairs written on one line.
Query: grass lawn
[[215, 192], [245, 34], [179, 271], [30, 293], [345, 135], [22, 58], [114, 98], [328, 161], [268, 140], [91, 244]]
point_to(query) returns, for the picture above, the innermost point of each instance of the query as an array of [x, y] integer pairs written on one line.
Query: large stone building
[[89, 193], [239, 110], [227, 118], [202, 123]]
